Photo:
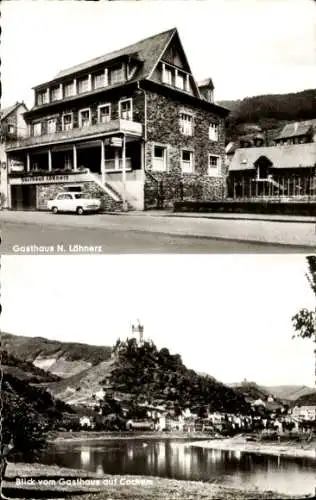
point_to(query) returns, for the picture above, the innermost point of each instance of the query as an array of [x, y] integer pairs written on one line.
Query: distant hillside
[[289, 392], [250, 390], [269, 111], [307, 399], [25, 370], [80, 388], [60, 358]]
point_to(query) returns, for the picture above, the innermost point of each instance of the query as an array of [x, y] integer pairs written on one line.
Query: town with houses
[[266, 414], [134, 129]]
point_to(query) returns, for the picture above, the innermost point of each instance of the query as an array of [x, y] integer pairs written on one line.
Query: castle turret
[[138, 332]]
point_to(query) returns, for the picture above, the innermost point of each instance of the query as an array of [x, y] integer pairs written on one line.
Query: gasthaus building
[[131, 127]]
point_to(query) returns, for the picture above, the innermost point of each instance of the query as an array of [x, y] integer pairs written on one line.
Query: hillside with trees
[[62, 358], [148, 373], [270, 112], [28, 414]]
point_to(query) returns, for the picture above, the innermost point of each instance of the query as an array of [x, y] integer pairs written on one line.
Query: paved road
[[145, 233]]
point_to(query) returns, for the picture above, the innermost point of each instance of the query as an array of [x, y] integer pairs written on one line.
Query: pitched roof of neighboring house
[[4, 112], [148, 51], [288, 156], [296, 129]]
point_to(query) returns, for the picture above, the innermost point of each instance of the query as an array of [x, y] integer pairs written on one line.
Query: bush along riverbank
[[41, 481]]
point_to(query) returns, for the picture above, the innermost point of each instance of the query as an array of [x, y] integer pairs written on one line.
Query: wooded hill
[[156, 375], [270, 111]]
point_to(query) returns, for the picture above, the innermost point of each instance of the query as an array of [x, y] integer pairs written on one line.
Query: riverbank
[[239, 444], [56, 482], [58, 437]]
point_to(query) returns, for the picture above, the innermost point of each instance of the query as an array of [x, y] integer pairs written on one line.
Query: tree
[[304, 322], [23, 427]]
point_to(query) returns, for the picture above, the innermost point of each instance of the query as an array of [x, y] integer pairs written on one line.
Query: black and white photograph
[[158, 256], [158, 126], [169, 384]]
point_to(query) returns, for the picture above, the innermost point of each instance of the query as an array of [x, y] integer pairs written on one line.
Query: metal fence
[[276, 188]]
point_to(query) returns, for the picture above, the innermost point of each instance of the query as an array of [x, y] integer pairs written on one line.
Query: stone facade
[[47, 192], [163, 128]]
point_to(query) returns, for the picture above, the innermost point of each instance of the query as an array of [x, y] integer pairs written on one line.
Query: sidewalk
[[226, 216]]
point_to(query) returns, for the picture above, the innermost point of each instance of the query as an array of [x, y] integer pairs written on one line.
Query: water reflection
[[173, 459]]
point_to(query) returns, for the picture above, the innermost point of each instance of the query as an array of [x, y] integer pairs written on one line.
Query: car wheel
[[55, 210], [79, 210]]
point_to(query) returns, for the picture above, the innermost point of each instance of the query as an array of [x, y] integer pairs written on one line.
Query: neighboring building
[[297, 133], [12, 127], [131, 127], [307, 412], [273, 171]]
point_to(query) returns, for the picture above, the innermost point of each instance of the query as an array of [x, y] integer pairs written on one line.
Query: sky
[[248, 47], [227, 315]]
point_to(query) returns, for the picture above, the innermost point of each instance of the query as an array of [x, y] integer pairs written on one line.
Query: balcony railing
[[113, 126]]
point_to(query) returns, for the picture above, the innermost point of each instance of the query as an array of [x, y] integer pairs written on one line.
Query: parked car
[[79, 203]]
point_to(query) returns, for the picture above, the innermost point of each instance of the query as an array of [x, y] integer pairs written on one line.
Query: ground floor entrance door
[[23, 197]]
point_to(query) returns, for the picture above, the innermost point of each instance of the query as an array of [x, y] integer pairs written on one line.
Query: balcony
[[130, 128]]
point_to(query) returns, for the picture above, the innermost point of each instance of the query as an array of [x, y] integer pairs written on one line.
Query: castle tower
[[138, 332]]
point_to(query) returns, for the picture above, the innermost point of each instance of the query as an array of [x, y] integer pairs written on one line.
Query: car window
[[79, 195], [60, 197], [68, 197]]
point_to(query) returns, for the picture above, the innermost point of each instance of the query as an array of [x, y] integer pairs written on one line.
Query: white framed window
[[213, 132], [42, 97], [99, 80], [55, 93], [37, 128], [167, 75], [11, 128], [84, 117], [69, 89], [186, 123], [126, 109], [83, 85], [187, 161], [117, 75], [159, 160], [51, 126], [213, 165], [104, 113], [180, 80], [67, 121]]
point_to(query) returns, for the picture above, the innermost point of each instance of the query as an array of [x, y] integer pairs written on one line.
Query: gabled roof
[[289, 156], [296, 129], [147, 50], [4, 112], [207, 82]]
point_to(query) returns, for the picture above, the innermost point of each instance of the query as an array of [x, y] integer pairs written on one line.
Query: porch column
[[102, 162], [74, 152], [89, 82], [106, 77], [49, 160], [28, 163], [124, 172]]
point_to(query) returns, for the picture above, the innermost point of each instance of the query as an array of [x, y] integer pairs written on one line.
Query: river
[[173, 459]]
